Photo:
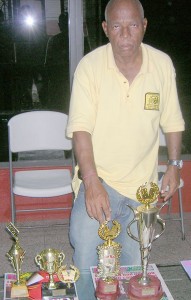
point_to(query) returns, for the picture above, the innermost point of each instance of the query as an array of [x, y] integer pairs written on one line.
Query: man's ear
[[104, 26], [145, 22]]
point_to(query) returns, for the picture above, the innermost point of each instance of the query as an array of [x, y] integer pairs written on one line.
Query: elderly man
[[122, 92]]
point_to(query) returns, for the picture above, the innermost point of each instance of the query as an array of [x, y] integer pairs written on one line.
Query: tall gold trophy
[[108, 266], [146, 286], [16, 255], [50, 260]]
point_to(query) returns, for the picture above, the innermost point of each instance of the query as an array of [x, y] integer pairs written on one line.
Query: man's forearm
[[84, 153], [174, 144], [171, 179]]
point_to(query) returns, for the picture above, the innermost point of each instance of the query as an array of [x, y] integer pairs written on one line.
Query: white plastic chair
[[161, 171], [33, 131]]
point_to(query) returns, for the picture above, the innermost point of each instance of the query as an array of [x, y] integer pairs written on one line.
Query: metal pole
[[76, 35]]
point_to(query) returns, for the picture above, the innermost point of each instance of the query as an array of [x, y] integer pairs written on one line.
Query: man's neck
[[129, 66]]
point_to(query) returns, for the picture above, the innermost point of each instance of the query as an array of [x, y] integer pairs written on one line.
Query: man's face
[[125, 28]]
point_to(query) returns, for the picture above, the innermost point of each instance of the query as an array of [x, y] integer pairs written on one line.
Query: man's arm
[[172, 176], [97, 200]]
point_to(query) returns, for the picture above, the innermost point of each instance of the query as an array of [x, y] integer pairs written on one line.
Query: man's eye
[[115, 26], [134, 25]]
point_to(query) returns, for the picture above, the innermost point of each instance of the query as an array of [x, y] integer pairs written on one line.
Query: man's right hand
[[97, 200]]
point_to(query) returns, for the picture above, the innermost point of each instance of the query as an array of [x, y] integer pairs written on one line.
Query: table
[[174, 276]]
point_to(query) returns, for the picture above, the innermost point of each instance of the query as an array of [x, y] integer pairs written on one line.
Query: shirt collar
[[145, 68], [110, 57]]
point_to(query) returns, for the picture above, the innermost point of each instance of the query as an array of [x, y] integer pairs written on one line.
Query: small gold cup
[[50, 260]]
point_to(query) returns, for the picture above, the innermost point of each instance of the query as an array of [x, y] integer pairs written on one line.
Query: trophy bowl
[[50, 260]]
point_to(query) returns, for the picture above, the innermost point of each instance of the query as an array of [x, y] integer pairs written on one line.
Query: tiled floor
[[168, 249]]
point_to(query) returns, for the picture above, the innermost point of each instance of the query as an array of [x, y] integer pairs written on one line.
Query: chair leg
[[13, 209], [169, 207], [181, 212]]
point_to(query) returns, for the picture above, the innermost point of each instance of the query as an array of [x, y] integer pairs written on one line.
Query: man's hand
[[97, 200], [170, 182]]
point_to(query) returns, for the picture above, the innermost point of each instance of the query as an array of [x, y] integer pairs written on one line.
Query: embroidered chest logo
[[152, 101]]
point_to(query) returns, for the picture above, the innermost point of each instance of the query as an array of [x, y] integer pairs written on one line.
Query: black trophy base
[[62, 290]]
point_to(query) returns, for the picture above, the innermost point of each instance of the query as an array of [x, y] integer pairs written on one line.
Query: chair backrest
[[38, 130], [162, 139]]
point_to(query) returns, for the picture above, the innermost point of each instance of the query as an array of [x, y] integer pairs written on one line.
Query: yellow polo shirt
[[124, 120]]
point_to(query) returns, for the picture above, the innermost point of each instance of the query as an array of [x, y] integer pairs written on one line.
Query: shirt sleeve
[[83, 100], [171, 116]]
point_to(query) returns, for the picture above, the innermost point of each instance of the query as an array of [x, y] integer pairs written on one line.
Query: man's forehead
[[123, 5]]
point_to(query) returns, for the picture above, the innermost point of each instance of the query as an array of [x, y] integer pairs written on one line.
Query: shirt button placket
[[126, 84]]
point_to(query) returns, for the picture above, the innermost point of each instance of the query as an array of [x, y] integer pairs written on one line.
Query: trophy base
[[151, 291], [64, 290], [107, 290], [18, 291], [51, 285]]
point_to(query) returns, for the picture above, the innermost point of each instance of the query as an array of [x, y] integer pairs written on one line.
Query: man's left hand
[[170, 182]]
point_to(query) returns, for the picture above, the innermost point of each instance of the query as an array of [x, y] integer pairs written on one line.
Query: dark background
[[169, 29]]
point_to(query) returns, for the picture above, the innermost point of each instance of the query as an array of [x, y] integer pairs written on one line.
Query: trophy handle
[[165, 203], [163, 224], [61, 257], [129, 230], [161, 221], [38, 259], [133, 221]]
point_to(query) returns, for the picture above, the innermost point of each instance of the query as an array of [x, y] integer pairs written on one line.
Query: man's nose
[[125, 32]]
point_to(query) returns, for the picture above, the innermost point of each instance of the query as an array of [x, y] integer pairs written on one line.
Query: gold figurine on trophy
[[16, 255], [146, 215], [108, 266]]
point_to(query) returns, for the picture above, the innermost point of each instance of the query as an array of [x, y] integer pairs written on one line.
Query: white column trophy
[[108, 266], [145, 286]]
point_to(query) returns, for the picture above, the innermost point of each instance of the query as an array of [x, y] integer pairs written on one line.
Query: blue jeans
[[84, 236]]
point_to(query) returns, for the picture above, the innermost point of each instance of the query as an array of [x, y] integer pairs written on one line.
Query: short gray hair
[[112, 2]]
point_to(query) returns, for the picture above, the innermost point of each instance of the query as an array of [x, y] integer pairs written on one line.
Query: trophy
[[50, 260], [144, 286], [16, 255], [108, 266], [68, 276]]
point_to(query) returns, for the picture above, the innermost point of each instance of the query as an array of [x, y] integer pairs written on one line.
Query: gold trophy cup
[[50, 260], [144, 286], [16, 255], [108, 266]]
